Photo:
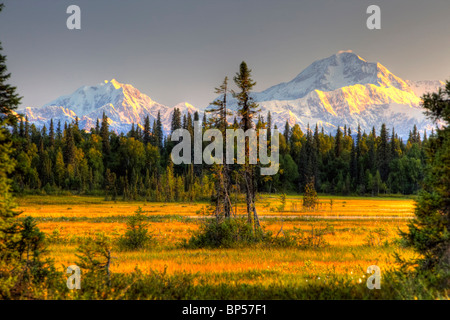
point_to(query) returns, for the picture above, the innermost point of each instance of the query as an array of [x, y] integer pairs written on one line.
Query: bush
[[310, 199], [227, 233], [95, 257], [137, 235]]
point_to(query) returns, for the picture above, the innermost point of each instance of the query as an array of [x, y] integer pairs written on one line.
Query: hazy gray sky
[[179, 50]]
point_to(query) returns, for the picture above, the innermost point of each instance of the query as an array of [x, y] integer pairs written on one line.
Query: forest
[[137, 165]]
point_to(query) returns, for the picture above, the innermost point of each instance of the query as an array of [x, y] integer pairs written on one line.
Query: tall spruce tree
[[51, 134], [9, 231], [247, 110], [383, 153], [104, 133], [221, 172], [269, 126], [158, 132], [287, 132], [338, 143], [147, 130], [429, 232], [176, 120]]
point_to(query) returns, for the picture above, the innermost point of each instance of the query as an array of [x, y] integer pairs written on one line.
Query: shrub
[[95, 257], [137, 235], [310, 199], [227, 233]]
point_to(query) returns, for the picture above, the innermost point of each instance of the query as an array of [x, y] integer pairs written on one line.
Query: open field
[[369, 236], [96, 207]]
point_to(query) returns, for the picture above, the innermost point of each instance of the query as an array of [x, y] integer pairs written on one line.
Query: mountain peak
[[349, 54], [116, 84], [343, 69], [345, 51]]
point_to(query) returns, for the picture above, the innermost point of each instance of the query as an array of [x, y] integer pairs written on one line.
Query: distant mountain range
[[123, 104], [343, 89]]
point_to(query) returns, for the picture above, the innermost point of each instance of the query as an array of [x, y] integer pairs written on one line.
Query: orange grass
[[347, 251], [95, 207]]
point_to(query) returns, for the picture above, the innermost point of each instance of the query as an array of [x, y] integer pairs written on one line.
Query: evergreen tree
[[353, 164], [247, 110], [9, 98], [269, 126], [9, 231], [97, 127], [429, 232], [104, 133], [287, 132], [69, 151], [147, 130], [51, 134], [158, 132], [21, 128], [221, 172], [338, 143], [27, 130], [176, 120], [58, 131], [219, 110], [383, 153]]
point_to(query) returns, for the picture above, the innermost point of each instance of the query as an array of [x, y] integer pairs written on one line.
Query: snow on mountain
[[425, 86], [340, 70], [123, 104], [345, 89], [41, 116]]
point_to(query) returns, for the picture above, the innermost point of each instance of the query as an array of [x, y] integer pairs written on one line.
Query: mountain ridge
[[342, 89]]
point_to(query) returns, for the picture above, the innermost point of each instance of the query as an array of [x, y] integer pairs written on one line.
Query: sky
[[180, 50]]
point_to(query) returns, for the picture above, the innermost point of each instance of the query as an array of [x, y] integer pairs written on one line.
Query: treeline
[[137, 165], [352, 162]]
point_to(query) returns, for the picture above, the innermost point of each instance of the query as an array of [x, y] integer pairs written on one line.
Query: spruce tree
[[221, 172], [69, 150], [429, 232], [51, 134], [158, 132], [9, 98], [147, 130], [9, 230], [104, 133], [58, 131], [338, 143], [247, 109], [287, 132], [97, 127], [383, 153], [176, 120]]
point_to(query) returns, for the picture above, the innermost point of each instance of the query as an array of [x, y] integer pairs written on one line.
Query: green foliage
[[137, 235], [283, 202], [94, 257], [429, 232], [9, 229], [310, 199], [227, 233], [236, 232]]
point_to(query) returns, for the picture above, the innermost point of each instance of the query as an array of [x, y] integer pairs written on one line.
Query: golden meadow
[[360, 232]]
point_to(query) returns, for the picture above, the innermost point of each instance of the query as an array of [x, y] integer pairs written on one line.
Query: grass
[[96, 207], [353, 243]]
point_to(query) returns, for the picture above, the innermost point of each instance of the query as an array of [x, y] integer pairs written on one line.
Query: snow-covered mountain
[[425, 86], [123, 104], [345, 89]]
